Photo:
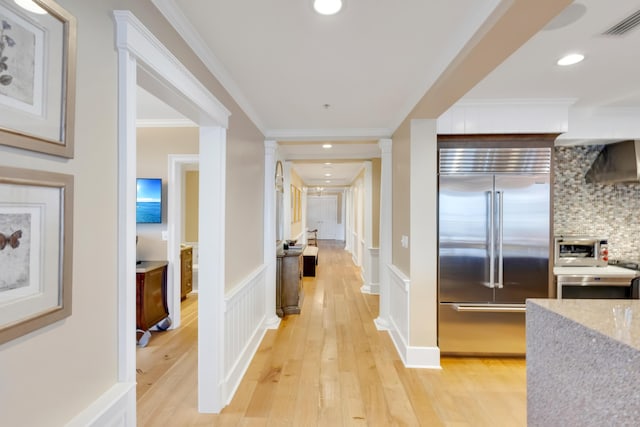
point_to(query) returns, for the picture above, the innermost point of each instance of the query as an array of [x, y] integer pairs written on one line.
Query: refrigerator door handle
[[491, 240], [490, 308], [500, 234]]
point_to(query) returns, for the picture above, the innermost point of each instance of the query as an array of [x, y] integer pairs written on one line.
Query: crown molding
[[347, 134], [165, 123]]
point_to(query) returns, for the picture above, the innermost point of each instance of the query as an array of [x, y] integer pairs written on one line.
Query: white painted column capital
[[271, 319], [386, 145], [386, 235], [270, 148]]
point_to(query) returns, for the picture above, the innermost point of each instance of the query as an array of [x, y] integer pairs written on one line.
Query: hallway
[[329, 366]]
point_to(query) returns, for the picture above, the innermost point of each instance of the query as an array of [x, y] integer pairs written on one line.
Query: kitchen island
[[583, 362]]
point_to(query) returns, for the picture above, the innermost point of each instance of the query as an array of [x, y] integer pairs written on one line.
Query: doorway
[[322, 215], [161, 74]]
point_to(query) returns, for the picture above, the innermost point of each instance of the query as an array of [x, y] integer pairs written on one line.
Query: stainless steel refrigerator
[[494, 245]]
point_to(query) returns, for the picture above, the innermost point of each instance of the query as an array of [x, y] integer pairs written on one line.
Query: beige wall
[[51, 375], [153, 148], [401, 156], [191, 204]]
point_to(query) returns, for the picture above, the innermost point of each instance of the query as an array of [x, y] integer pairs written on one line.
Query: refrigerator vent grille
[[495, 160]]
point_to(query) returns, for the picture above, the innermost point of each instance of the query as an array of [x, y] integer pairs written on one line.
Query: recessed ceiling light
[[327, 7], [327, 174], [328, 181], [327, 163], [30, 6], [572, 58], [326, 146]]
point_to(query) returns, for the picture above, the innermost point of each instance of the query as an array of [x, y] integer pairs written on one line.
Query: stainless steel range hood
[[616, 163]]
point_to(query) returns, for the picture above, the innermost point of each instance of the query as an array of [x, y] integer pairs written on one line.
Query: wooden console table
[[289, 281]]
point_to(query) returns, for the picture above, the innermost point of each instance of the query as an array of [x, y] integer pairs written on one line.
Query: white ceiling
[[374, 61]]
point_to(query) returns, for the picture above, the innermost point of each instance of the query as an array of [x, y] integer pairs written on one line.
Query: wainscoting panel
[[115, 408], [399, 309], [244, 329], [412, 356]]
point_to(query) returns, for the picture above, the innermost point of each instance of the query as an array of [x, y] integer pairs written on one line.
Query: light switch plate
[[165, 235], [405, 241]]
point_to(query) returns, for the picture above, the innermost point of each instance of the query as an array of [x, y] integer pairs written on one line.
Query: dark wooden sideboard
[[289, 293], [186, 271], [151, 294]]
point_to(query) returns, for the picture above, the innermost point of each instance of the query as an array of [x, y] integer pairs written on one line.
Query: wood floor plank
[[329, 366]]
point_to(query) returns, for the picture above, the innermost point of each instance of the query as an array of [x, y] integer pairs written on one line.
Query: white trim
[[134, 37], [143, 59], [367, 217], [165, 123], [346, 134], [506, 115], [286, 200], [269, 242], [116, 407], [211, 272], [174, 231], [371, 285]]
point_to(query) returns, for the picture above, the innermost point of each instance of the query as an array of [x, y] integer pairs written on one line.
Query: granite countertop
[[599, 316]]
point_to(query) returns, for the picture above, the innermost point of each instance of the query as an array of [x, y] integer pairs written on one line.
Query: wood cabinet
[[186, 271], [289, 282], [151, 294]]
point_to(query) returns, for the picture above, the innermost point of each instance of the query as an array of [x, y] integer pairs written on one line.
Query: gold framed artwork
[[37, 77], [296, 204], [36, 243]]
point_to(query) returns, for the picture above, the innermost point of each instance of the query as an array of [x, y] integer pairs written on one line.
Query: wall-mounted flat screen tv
[[149, 201]]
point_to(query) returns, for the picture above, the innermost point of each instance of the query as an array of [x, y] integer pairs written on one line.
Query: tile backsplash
[[611, 210]]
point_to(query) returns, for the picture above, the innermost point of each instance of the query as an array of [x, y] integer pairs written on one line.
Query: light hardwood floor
[[329, 366]]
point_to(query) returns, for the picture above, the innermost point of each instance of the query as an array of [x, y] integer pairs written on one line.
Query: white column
[[305, 190], [385, 240], [126, 217], [347, 220], [286, 210], [271, 319], [368, 228], [211, 273]]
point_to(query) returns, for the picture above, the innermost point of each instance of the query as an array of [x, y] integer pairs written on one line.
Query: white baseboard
[[371, 288], [115, 408], [415, 357]]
